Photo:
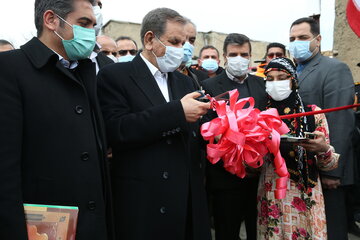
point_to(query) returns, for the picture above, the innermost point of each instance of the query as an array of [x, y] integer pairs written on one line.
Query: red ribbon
[[247, 136], [296, 115]]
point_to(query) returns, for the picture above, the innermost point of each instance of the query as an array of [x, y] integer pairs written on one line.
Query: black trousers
[[335, 209], [231, 207]]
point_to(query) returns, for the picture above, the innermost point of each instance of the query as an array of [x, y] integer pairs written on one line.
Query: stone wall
[[115, 29], [346, 43]]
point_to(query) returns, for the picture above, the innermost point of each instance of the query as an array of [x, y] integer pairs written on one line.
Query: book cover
[[50, 222]]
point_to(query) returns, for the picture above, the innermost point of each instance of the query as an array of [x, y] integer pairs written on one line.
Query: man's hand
[[330, 183], [193, 109]]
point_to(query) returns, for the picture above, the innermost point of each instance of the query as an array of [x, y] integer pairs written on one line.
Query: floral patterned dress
[[299, 216]]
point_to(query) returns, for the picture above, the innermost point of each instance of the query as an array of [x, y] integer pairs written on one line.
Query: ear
[[148, 40], [319, 39], [199, 61], [50, 20]]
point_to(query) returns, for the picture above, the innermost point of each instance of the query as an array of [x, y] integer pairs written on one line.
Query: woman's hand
[[317, 145]]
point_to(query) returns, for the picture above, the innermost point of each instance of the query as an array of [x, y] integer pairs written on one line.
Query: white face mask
[[278, 90], [99, 19], [112, 57], [237, 66], [171, 60]]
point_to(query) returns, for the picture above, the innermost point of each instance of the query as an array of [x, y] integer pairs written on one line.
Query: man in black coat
[[234, 199], [52, 142], [151, 118]]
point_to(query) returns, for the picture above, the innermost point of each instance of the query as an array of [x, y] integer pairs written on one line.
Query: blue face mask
[[126, 58], [83, 43], [300, 50], [188, 52], [210, 65]]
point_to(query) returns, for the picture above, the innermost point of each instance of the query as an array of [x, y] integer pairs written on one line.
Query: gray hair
[[188, 21], [156, 20], [60, 7]]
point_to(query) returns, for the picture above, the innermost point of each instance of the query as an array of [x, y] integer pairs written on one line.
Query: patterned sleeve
[[329, 160]]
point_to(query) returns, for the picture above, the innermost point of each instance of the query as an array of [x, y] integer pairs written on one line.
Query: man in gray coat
[[327, 83]]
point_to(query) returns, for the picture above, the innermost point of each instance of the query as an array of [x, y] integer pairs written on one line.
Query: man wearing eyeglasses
[[127, 49], [273, 50]]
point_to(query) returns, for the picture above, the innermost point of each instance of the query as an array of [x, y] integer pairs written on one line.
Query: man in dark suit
[[327, 83], [151, 117], [185, 67], [234, 199], [52, 141]]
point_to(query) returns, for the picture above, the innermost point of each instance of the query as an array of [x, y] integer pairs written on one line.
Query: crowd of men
[[70, 94]]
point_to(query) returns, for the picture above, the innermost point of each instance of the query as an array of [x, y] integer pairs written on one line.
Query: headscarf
[[301, 164]]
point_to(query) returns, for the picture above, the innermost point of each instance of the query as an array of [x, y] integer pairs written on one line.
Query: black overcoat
[[156, 165], [51, 141]]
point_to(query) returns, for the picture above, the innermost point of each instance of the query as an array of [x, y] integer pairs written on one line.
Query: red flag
[[353, 15]]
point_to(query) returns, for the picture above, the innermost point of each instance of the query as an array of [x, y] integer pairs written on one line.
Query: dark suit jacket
[[103, 60], [217, 176], [51, 141], [156, 159], [327, 83]]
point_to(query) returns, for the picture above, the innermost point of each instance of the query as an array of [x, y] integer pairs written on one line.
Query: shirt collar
[[93, 55], [235, 79], [67, 64], [154, 70]]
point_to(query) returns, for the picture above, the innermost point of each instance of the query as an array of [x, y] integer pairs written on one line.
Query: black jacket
[[103, 60], [51, 141], [156, 157], [217, 176]]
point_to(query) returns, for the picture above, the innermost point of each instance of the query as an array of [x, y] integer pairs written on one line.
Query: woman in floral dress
[[301, 214]]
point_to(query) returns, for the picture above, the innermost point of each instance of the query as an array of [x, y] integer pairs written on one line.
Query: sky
[[263, 20]]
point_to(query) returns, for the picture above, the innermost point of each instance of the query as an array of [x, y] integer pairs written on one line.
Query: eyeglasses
[[124, 52], [108, 53], [278, 54]]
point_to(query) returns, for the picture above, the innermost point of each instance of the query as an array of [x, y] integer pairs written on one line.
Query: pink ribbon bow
[[247, 136]]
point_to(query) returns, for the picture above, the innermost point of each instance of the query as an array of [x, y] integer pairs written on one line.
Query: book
[[51, 222]]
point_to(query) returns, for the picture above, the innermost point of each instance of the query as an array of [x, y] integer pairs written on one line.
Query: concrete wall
[[346, 43], [115, 29]]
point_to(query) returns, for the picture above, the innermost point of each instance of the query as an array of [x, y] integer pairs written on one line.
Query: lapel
[[86, 71], [223, 83], [253, 87], [142, 76], [311, 66], [40, 55], [176, 86], [67, 72]]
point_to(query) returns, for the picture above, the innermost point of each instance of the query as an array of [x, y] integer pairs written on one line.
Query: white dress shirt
[[161, 78], [92, 57]]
